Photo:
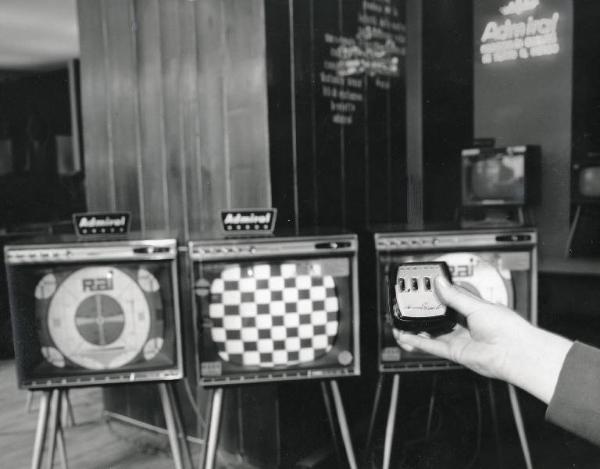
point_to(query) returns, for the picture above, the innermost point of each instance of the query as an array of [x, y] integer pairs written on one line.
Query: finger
[[456, 298], [407, 348], [432, 346]]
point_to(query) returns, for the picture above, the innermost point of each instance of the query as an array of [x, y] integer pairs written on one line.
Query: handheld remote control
[[414, 305]]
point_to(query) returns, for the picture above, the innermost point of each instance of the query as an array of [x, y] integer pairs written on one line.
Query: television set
[[503, 176], [276, 309], [585, 182], [94, 312], [499, 265]]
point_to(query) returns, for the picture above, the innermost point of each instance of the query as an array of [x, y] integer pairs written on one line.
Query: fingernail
[[442, 282]]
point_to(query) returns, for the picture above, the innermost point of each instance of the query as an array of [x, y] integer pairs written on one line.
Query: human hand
[[485, 345], [496, 342]]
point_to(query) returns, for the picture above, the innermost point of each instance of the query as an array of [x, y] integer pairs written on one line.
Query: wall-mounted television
[[585, 182], [499, 265], [273, 309], [91, 313], [503, 176]]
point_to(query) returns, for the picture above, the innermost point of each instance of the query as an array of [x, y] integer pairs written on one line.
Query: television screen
[[498, 266], [586, 182], [499, 176], [94, 313], [276, 310]]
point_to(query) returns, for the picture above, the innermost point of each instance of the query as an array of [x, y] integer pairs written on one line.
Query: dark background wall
[[447, 103], [338, 160], [35, 107], [529, 102], [326, 173]]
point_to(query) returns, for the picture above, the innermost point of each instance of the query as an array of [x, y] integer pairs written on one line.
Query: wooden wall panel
[[176, 129], [175, 110], [122, 101], [100, 188], [245, 87], [212, 101], [151, 115], [172, 97]]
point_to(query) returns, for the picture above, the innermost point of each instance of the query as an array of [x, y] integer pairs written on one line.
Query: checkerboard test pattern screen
[[276, 315]]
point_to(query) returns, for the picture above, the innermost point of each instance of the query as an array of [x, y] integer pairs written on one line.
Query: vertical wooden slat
[[414, 110], [122, 87], [94, 105], [327, 139], [149, 72], [281, 139], [246, 103], [354, 181], [210, 102], [170, 52], [188, 118]]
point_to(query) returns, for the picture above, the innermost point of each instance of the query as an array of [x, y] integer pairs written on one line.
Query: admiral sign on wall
[[519, 30]]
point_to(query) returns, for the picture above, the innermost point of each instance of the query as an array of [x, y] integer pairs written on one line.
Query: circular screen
[[480, 277], [99, 318]]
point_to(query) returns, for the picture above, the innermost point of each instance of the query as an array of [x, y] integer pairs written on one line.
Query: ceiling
[[37, 33]]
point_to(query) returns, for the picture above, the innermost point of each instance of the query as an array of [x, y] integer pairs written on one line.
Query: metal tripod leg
[[29, 402], [62, 447], [496, 427], [516, 409], [391, 421], [373, 418], [67, 417], [171, 389], [344, 430], [171, 427], [40, 432], [209, 454], [331, 420], [431, 405], [54, 420]]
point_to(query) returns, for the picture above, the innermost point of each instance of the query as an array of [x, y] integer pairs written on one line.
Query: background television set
[[90, 313], [502, 176], [499, 265], [272, 309], [585, 182]]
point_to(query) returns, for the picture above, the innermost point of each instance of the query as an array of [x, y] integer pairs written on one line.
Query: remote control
[[414, 305]]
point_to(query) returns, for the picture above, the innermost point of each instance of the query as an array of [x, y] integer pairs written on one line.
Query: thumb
[[457, 299]]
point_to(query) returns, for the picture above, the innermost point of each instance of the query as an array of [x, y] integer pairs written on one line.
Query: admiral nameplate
[[248, 221], [101, 224]]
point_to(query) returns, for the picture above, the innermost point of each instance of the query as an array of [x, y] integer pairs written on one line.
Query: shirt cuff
[[575, 404]]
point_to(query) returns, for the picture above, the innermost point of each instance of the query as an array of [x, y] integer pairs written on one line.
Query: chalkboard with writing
[[337, 111]]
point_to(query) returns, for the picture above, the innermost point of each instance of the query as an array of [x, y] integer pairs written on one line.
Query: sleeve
[[575, 405]]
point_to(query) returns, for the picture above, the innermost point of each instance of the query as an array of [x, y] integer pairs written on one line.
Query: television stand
[[209, 452], [393, 407], [50, 427], [489, 217]]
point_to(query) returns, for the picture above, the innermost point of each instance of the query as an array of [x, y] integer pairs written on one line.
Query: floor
[[92, 443], [460, 434]]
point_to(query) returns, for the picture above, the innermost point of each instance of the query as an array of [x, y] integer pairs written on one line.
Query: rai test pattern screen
[[275, 319], [80, 324]]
